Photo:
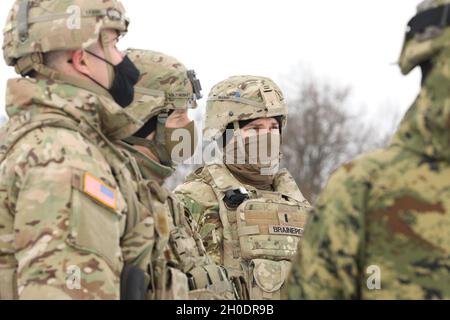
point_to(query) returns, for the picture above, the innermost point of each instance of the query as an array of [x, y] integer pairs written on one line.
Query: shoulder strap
[[285, 184], [196, 175], [221, 181]]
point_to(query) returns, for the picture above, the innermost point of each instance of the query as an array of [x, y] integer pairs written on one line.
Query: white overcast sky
[[347, 42]]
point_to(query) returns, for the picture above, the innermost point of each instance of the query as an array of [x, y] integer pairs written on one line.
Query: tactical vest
[[183, 270], [115, 159], [261, 230]]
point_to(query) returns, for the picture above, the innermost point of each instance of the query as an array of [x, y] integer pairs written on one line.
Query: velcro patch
[[98, 190], [286, 230]]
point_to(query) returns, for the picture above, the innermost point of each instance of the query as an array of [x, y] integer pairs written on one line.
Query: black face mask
[[126, 75]]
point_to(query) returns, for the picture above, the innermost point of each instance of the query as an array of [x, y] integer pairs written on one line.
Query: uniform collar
[[27, 97]]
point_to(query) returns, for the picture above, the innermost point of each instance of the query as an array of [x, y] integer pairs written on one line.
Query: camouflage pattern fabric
[[202, 204], [165, 85], [178, 244], [242, 98], [54, 25], [162, 77], [184, 269], [387, 214], [35, 28], [68, 221], [203, 195], [424, 45], [246, 236]]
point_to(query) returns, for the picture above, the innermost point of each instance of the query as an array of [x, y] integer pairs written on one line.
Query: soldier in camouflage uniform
[[69, 217], [250, 214], [165, 90], [381, 228]]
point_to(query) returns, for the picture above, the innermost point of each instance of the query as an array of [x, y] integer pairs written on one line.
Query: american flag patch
[[98, 190]]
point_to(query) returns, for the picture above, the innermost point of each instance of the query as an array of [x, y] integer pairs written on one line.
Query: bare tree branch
[[322, 134]]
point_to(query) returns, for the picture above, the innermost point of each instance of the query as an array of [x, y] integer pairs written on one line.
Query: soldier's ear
[[80, 62]]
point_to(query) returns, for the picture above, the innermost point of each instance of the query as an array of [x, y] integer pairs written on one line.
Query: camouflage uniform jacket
[[255, 239], [183, 269], [69, 219], [381, 228]]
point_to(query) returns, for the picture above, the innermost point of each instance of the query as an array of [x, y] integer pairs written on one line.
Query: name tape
[[286, 230]]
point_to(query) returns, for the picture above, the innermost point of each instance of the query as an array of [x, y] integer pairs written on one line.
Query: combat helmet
[[165, 84], [242, 98], [36, 27], [427, 34]]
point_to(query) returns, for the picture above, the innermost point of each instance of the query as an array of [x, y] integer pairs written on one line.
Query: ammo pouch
[[266, 279], [187, 248], [210, 282], [171, 284], [269, 230], [178, 285]]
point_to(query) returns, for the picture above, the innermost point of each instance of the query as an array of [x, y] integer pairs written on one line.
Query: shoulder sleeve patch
[[98, 190]]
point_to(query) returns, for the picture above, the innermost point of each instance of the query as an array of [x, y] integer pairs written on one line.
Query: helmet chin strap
[[160, 141], [155, 147], [161, 127]]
